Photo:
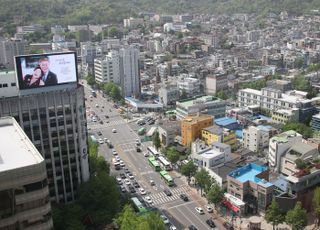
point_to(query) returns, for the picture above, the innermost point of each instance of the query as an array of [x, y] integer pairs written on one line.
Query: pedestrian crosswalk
[[161, 198], [97, 125]]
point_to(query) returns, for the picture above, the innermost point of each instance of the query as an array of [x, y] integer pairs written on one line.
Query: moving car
[[100, 141], [172, 227], [127, 181], [184, 197], [192, 227], [199, 210], [131, 176], [114, 130], [114, 153], [119, 180], [99, 133], [165, 219], [142, 191], [122, 175], [146, 154], [123, 189], [138, 149], [135, 184], [148, 199], [132, 190], [152, 182], [105, 140], [210, 223], [167, 192]]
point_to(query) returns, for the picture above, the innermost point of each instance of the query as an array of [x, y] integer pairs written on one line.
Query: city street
[[180, 213]]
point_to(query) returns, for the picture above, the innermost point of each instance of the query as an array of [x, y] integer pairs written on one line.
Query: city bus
[[141, 131], [138, 207], [154, 164], [164, 163], [152, 151], [167, 178]]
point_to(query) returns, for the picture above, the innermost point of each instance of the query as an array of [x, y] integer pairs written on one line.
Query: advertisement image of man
[[49, 78]]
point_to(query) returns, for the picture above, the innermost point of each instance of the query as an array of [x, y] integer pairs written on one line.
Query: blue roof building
[[228, 123]]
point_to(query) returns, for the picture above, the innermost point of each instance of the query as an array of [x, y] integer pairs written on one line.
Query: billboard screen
[[41, 70]]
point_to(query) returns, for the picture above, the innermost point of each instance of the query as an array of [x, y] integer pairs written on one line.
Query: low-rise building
[[215, 133], [227, 123], [133, 22], [24, 192], [284, 116], [216, 82], [169, 94], [279, 144], [190, 86], [191, 127], [315, 122], [215, 155], [250, 184], [201, 105]]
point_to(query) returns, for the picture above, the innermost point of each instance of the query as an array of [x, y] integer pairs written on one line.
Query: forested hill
[[106, 11]]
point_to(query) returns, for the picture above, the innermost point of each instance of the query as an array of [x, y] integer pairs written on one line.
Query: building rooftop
[[224, 121], [17, 150], [202, 99], [285, 136], [195, 119], [214, 129], [250, 173]]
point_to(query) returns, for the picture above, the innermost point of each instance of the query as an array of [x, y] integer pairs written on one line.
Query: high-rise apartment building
[[129, 72], [9, 49], [54, 120], [107, 69], [24, 193]]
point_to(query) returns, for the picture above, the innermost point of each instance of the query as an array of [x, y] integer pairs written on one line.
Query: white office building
[[54, 120], [24, 192], [130, 72], [189, 85], [107, 69], [279, 144]]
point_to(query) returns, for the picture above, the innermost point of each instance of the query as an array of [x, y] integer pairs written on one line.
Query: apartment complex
[[54, 120], [24, 193], [189, 85], [191, 127], [201, 105], [274, 99], [256, 138], [284, 116], [130, 72], [107, 69]]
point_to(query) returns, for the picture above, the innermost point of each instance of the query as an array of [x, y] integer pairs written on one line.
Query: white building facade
[[107, 69]]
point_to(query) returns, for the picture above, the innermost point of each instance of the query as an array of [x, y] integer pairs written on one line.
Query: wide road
[[181, 214]]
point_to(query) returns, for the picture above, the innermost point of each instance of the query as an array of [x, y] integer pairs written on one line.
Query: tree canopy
[[215, 194], [189, 170], [173, 155], [316, 203], [297, 217], [274, 214], [203, 179], [303, 129], [156, 140]]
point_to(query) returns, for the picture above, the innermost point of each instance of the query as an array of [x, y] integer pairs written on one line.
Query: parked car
[[210, 223], [192, 227], [99, 133], [122, 175], [142, 191], [123, 189], [199, 210], [148, 199], [114, 130], [209, 209], [165, 219]]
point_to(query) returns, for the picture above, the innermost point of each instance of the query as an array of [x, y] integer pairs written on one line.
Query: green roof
[[188, 103]]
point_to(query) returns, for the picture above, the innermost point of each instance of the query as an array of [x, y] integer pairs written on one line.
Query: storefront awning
[[230, 206]]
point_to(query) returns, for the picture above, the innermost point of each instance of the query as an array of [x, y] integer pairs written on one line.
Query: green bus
[[154, 164], [138, 207], [167, 178], [141, 131]]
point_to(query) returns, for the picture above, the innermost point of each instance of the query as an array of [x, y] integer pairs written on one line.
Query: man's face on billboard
[[44, 65]]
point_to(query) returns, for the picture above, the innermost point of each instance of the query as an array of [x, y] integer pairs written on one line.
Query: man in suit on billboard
[[49, 78]]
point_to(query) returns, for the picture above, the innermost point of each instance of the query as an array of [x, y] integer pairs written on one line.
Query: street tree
[[173, 155], [297, 217], [274, 214], [215, 194], [90, 80], [154, 221], [115, 93], [156, 140], [189, 170], [316, 203], [107, 88], [127, 219], [203, 179]]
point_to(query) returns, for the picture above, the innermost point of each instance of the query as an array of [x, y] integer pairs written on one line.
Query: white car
[[119, 180], [199, 210], [100, 141], [148, 199], [127, 181], [114, 130], [114, 153], [117, 158], [122, 165], [142, 191], [209, 209], [146, 154], [172, 227], [165, 219], [105, 140], [131, 176]]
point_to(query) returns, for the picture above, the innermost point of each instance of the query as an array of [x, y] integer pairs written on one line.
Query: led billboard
[[41, 70]]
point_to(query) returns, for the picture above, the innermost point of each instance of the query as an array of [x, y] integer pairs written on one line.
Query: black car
[[192, 227], [107, 116], [101, 122], [210, 223], [228, 226], [123, 176], [132, 190], [138, 149], [123, 189], [135, 184], [184, 197], [99, 133], [167, 192], [117, 167], [126, 170]]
